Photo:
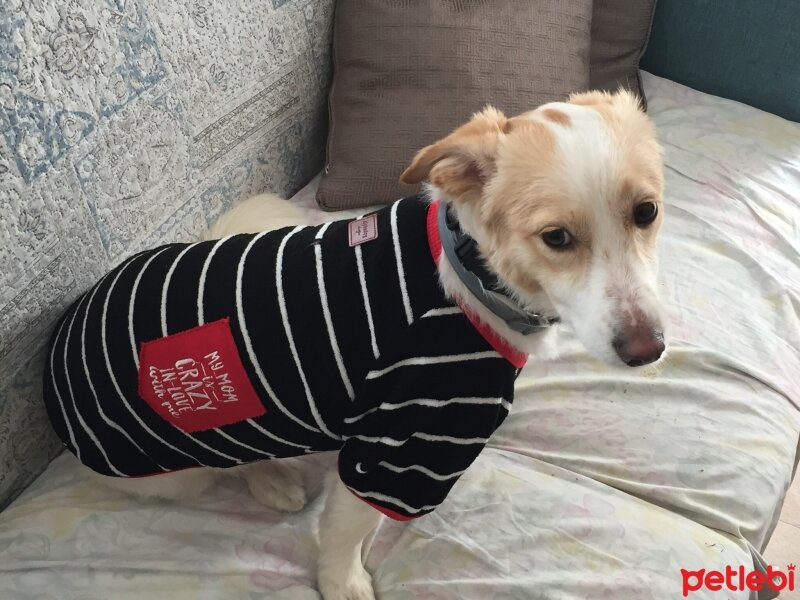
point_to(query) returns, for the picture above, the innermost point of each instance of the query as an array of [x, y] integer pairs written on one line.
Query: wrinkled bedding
[[599, 485]]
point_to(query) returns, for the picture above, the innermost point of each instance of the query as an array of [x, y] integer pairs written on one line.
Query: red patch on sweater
[[195, 379]]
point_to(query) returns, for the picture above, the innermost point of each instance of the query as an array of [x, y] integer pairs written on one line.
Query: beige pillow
[[407, 72], [620, 29]]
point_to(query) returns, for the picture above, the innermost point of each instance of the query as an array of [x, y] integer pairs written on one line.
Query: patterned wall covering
[[125, 124]]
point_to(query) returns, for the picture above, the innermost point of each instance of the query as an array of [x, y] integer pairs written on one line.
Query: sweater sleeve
[[423, 416]]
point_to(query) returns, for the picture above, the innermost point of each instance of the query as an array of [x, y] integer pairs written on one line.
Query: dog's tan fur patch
[[556, 116]]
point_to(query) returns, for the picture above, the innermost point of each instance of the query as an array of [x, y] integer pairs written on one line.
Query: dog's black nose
[[641, 348]]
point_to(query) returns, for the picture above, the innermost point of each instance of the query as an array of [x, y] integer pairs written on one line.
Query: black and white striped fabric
[[345, 348]]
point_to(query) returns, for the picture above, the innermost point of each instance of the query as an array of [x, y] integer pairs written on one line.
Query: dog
[[188, 355]]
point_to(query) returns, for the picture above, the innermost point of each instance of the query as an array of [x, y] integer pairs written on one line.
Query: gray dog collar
[[462, 252]]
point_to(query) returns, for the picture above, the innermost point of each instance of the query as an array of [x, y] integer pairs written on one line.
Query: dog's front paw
[[347, 584]]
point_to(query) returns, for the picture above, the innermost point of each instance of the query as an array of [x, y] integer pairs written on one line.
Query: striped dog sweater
[[278, 344]]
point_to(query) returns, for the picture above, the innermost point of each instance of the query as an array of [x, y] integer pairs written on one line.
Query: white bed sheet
[[599, 485]]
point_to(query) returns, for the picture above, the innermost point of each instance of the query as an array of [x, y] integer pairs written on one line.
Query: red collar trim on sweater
[[506, 350]]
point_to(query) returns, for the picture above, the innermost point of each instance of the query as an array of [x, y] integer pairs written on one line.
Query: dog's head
[[565, 203]]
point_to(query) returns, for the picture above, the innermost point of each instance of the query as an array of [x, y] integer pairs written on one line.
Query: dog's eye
[[558, 239], [645, 213]]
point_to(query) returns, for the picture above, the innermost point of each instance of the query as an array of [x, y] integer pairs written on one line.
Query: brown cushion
[[620, 29], [407, 72]]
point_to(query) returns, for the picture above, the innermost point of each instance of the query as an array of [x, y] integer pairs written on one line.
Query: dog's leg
[[276, 483], [346, 522]]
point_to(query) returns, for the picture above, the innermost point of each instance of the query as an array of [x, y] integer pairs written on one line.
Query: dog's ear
[[461, 163]]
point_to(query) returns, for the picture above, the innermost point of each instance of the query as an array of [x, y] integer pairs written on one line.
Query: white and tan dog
[[565, 203]]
